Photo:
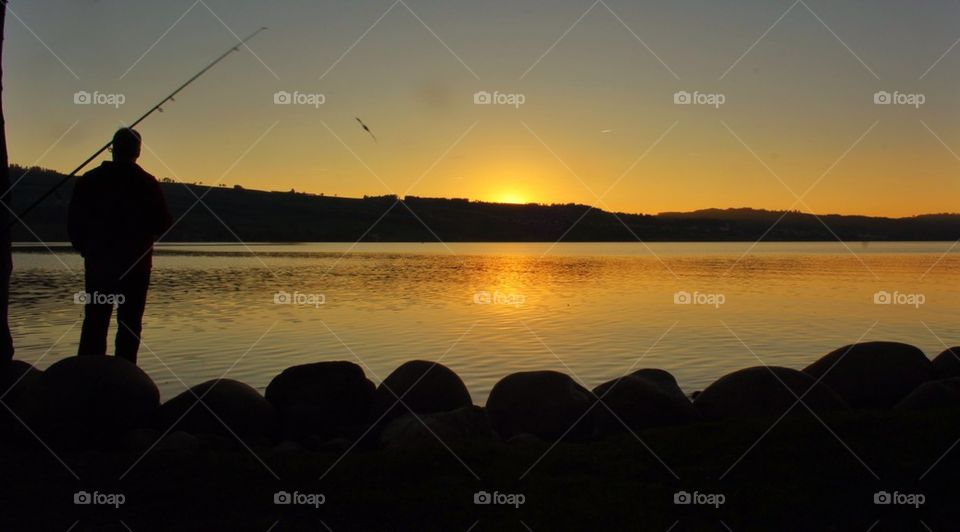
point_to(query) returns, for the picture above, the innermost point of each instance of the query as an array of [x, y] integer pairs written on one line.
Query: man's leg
[[6, 267], [130, 314], [96, 319]]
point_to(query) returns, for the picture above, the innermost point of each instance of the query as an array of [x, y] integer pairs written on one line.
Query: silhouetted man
[[116, 213]]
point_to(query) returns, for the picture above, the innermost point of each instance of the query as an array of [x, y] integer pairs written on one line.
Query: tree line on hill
[[225, 214]]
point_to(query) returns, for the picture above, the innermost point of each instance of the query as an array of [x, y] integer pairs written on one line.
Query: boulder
[[947, 364], [178, 441], [525, 440], [139, 440], [933, 395], [228, 408], [88, 400], [217, 443], [762, 392], [546, 404], [873, 375], [425, 387], [15, 380], [335, 446], [464, 425], [323, 399], [641, 400], [288, 446], [659, 376]]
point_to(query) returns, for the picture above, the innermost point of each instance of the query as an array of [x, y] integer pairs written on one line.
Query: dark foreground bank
[[863, 439]]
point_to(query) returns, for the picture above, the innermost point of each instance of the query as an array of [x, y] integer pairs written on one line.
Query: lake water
[[595, 310]]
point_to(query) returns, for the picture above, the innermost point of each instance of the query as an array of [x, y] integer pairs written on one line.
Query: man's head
[[126, 145]]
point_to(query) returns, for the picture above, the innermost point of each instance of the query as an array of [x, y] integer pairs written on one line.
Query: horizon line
[[237, 187]]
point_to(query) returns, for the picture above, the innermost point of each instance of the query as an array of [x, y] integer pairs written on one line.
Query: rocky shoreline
[[774, 448], [103, 402]]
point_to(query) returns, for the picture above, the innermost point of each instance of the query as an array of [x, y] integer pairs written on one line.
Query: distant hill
[[228, 214]]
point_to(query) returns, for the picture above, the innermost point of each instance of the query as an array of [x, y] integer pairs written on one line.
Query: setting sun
[[511, 197]]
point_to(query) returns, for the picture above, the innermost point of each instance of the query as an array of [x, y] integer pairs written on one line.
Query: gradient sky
[[799, 108]]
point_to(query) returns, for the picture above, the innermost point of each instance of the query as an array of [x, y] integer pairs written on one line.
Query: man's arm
[[161, 219]]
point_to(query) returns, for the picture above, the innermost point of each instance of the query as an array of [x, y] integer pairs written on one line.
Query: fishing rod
[[155, 108]]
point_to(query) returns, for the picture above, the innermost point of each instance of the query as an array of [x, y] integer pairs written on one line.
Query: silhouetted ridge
[[262, 216]]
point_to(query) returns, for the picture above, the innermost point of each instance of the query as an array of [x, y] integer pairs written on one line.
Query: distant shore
[[231, 214], [162, 248]]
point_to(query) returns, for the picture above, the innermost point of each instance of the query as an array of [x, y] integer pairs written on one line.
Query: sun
[[511, 197]]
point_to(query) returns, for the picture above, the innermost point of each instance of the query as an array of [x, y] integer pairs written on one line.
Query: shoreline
[[419, 463]]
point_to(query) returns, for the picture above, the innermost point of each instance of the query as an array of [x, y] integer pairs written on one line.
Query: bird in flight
[[367, 129]]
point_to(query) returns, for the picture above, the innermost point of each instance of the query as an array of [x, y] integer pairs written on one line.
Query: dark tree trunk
[[6, 260]]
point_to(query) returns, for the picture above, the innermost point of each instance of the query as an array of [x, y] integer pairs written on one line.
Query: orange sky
[[599, 121]]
